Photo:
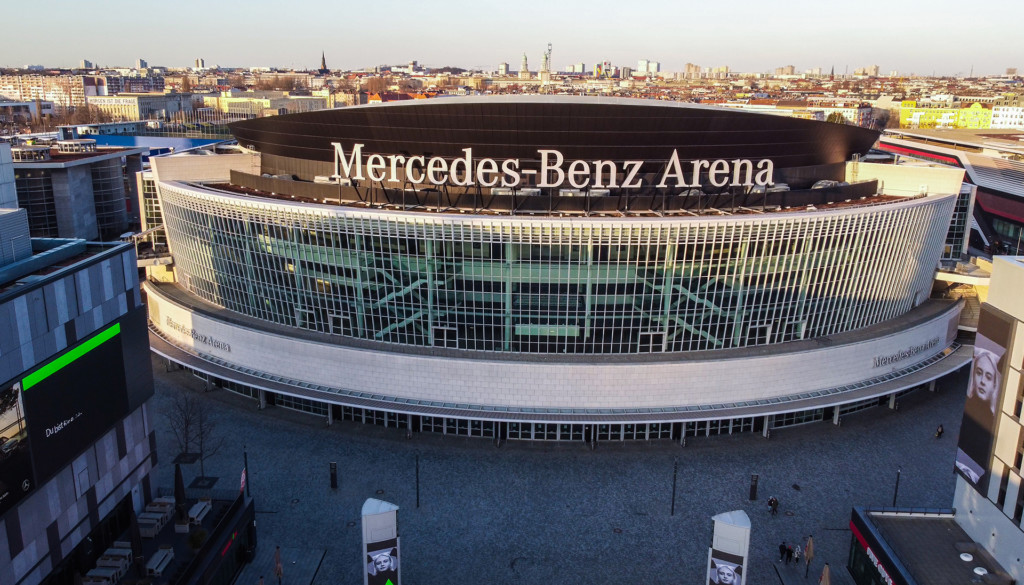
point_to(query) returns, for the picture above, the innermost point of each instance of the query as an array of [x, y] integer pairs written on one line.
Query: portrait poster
[[382, 562], [724, 568], [984, 397]]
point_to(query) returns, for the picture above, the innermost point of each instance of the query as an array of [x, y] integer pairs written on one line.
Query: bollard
[[334, 475], [753, 486]]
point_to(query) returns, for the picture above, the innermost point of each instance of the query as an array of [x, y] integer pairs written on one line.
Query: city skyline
[[906, 38]]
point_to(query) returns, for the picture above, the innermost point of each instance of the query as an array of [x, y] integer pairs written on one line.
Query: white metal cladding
[[556, 285]]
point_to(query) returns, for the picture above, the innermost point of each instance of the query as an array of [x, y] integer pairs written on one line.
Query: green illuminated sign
[[59, 363]]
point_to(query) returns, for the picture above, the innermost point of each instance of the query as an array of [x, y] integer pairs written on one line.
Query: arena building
[[557, 268]]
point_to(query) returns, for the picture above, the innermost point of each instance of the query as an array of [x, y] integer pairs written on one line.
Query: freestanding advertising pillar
[[727, 557], [380, 543]]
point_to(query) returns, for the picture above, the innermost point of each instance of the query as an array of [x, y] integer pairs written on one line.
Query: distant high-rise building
[[502, 69], [581, 67], [141, 64], [625, 73], [1011, 71], [524, 69], [641, 66], [85, 64], [654, 67], [200, 63]]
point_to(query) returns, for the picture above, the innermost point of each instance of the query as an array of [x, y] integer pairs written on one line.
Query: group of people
[[790, 553]]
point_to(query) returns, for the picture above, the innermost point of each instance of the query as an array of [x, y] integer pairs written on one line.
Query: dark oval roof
[[586, 128]]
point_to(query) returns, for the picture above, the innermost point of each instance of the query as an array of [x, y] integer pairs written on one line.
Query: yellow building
[[263, 103], [976, 116]]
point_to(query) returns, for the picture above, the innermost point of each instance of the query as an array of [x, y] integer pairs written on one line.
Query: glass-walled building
[[508, 267]]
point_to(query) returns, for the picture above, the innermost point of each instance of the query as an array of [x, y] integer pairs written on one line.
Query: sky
[[943, 37]]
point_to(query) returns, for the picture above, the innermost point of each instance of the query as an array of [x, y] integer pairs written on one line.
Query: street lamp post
[[896, 492]]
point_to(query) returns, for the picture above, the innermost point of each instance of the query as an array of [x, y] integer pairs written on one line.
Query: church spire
[[323, 60]]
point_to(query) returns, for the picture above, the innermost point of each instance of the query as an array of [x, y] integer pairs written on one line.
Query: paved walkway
[[533, 513], [300, 565]]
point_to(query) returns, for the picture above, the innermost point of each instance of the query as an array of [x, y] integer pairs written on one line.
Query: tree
[[836, 118], [193, 427], [206, 437], [376, 84], [181, 417]]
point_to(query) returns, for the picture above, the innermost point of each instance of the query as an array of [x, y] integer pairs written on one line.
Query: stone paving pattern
[[535, 513]]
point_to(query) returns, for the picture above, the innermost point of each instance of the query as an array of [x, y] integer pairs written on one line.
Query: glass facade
[[555, 285], [959, 227], [109, 199], [35, 195], [151, 214]]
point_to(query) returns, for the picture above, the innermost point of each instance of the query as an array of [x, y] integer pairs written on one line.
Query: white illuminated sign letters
[[554, 170]]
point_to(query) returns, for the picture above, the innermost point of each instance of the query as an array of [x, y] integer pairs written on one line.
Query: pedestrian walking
[[782, 551], [789, 554], [260, 582], [939, 431], [796, 555]]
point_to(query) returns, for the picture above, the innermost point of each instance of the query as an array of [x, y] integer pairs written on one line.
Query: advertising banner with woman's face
[[724, 568], [984, 396]]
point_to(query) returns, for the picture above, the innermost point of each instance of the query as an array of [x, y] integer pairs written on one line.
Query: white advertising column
[[380, 543], [727, 557]]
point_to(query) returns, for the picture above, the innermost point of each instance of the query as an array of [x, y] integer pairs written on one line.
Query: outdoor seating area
[[111, 566]]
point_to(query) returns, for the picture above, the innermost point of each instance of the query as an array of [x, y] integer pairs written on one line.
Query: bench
[[113, 562], [198, 512], [162, 508], [159, 562], [119, 551], [148, 527], [157, 517], [108, 574]]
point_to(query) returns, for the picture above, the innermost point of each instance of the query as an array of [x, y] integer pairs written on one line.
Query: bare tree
[[183, 417], [377, 84], [206, 437], [193, 427]]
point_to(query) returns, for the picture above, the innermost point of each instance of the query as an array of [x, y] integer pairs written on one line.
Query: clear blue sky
[[941, 36]]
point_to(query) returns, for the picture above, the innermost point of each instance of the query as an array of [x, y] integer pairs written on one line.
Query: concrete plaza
[[537, 513]]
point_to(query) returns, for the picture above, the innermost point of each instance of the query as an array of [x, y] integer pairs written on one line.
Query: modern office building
[[993, 161], [77, 440], [556, 268], [72, 189], [979, 538]]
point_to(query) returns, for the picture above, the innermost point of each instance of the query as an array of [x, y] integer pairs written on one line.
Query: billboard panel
[[984, 395], [724, 568], [73, 399], [382, 562], [15, 462]]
